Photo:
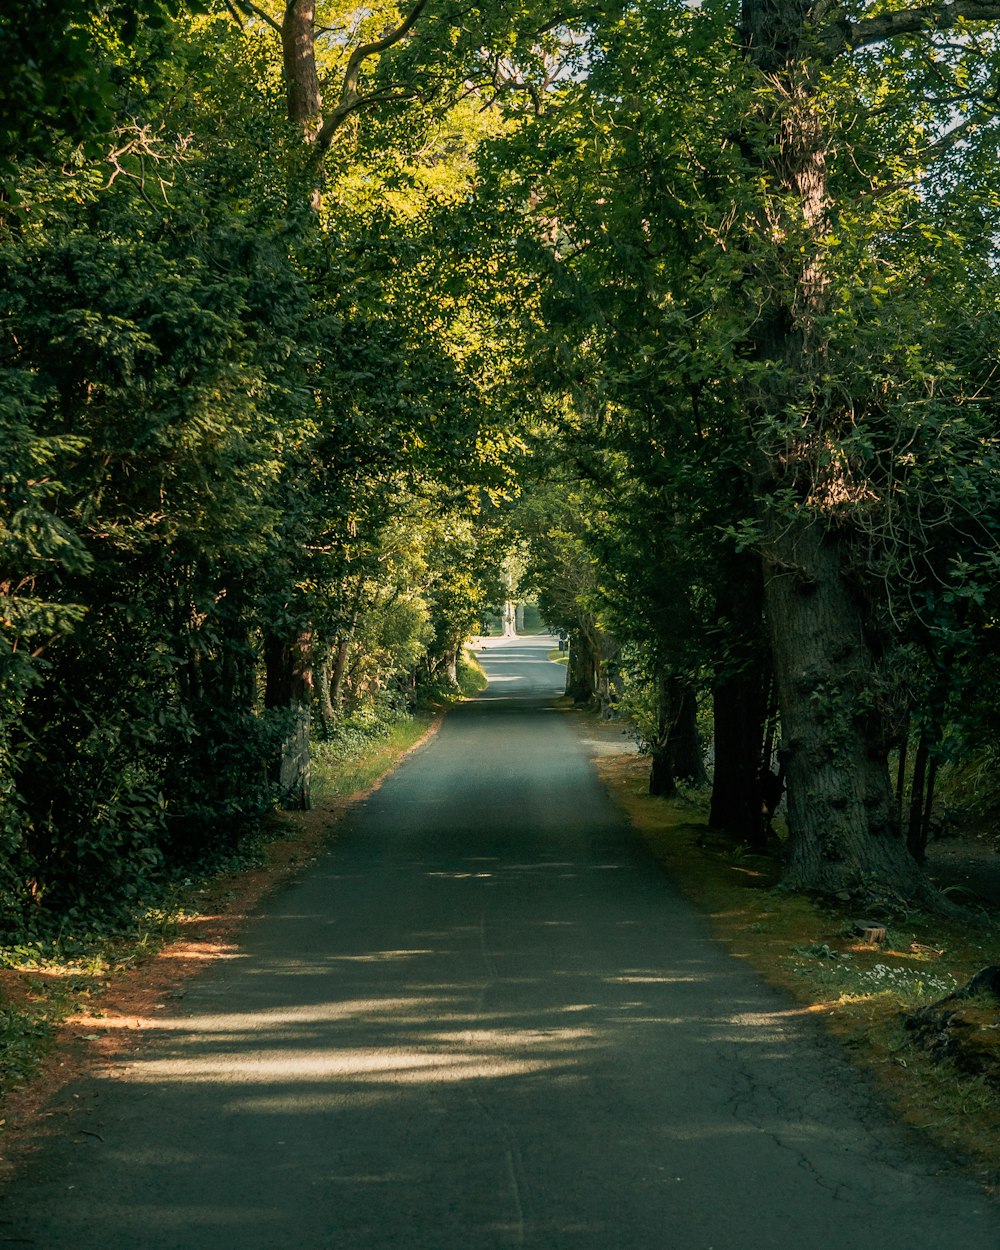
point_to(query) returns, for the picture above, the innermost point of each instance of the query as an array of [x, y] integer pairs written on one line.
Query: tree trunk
[[289, 688], [914, 830], [904, 744], [844, 833], [298, 50], [342, 649], [662, 772], [448, 664], [609, 685], [581, 685], [739, 701], [925, 766], [338, 671], [845, 838], [662, 780], [675, 752], [932, 771], [238, 677], [323, 673], [689, 757], [738, 713]]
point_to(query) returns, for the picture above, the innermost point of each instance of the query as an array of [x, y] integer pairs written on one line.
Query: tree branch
[[343, 111], [947, 141], [350, 98], [845, 35], [233, 13], [251, 10], [379, 45]]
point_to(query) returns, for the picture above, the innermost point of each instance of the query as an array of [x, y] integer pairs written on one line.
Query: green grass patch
[[354, 763], [43, 983], [26, 1034], [368, 744], [471, 677], [557, 656], [860, 991]]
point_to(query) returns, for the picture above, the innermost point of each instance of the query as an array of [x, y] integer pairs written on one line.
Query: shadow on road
[[486, 1020]]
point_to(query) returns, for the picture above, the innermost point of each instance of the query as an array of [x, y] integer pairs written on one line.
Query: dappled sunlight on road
[[319, 1055], [519, 669], [485, 1021], [378, 957], [394, 1066], [646, 979]]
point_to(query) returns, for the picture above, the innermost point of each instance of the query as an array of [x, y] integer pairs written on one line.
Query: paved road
[[485, 1020]]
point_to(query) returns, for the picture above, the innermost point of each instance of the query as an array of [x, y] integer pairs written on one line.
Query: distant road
[[485, 1019]]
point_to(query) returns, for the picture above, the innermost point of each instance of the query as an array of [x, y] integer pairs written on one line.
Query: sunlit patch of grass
[[42, 983], [471, 676], [812, 951], [341, 769], [25, 1037]]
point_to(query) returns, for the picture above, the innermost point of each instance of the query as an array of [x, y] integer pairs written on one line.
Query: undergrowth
[[45, 980], [365, 743], [353, 762]]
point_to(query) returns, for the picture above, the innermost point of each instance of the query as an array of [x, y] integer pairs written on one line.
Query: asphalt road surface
[[485, 1019]]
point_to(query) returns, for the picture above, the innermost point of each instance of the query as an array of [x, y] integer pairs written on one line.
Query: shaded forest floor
[[967, 865]]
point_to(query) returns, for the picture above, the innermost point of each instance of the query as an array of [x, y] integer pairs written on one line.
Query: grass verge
[[44, 983], [861, 991], [472, 678], [341, 769]]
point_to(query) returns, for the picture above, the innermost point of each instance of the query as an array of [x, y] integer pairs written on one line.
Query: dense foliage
[[310, 316], [245, 445], [771, 317]]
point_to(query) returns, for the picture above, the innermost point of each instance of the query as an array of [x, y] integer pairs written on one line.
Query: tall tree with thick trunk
[[722, 262], [843, 822]]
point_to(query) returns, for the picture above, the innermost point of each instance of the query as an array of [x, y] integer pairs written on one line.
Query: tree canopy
[[312, 314]]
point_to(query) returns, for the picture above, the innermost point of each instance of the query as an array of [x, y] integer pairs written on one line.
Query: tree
[[55, 93], [731, 239], [844, 831], [370, 174], [223, 408], [281, 325]]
